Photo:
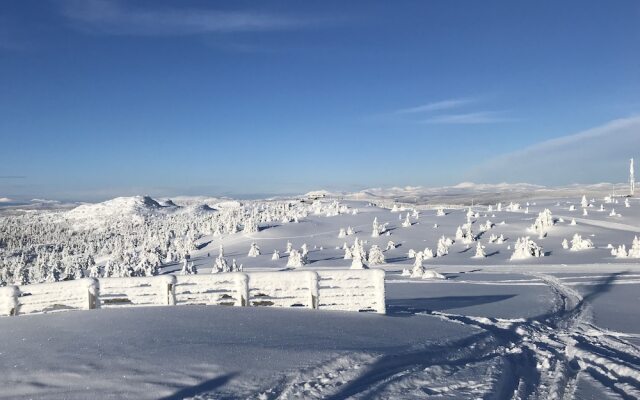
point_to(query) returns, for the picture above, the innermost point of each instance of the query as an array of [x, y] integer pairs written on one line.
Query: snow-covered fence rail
[[352, 290], [286, 289], [142, 291], [229, 289], [343, 290], [81, 294]]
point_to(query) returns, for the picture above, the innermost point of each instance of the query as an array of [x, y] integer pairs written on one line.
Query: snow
[[564, 325]]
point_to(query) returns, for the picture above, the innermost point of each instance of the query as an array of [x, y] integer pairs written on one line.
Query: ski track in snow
[[536, 358]]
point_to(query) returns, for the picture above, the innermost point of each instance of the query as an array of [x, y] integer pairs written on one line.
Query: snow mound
[[433, 275]]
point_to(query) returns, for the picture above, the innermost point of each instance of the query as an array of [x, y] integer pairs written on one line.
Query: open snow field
[[563, 326]]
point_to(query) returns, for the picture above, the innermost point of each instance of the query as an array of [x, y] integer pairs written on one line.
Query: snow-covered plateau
[[490, 292]]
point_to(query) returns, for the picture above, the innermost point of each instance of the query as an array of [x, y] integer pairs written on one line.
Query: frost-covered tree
[[480, 251], [276, 255], [442, 247], [620, 252], [526, 248], [584, 203], [342, 233], [543, 223], [376, 256], [578, 243], [390, 245], [407, 221], [375, 232], [188, 268], [295, 259], [634, 251], [254, 250], [220, 265], [235, 267], [418, 268], [359, 260], [289, 248]]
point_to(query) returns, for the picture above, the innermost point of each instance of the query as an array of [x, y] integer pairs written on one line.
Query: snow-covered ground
[[563, 325]]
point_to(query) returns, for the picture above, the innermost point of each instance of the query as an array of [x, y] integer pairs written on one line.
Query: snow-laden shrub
[[487, 226], [578, 243], [390, 245], [440, 212], [432, 275], [526, 248]]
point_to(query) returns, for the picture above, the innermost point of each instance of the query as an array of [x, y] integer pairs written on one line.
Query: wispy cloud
[[479, 117], [116, 18], [458, 110], [436, 106], [599, 154]]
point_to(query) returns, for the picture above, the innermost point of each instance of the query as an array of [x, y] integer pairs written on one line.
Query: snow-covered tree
[[276, 255], [479, 251], [578, 243], [543, 223], [407, 221], [359, 260], [295, 259], [526, 248], [376, 256], [254, 250], [418, 268], [584, 203]]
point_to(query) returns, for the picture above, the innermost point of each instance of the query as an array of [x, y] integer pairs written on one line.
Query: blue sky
[[99, 99]]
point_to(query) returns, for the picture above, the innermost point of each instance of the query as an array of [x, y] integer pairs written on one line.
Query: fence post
[[93, 286], [168, 289], [242, 282], [378, 283], [9, 304], [314, 283]]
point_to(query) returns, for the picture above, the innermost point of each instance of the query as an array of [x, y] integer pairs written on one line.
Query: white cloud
[[436, 106], [115, 18], [600, 154], [5, 200], [479, 117]]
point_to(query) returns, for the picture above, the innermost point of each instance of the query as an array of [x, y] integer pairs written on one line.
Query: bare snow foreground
[[501, 336]]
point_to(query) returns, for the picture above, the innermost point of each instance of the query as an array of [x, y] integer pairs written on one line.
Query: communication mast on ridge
[[632, 179]]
